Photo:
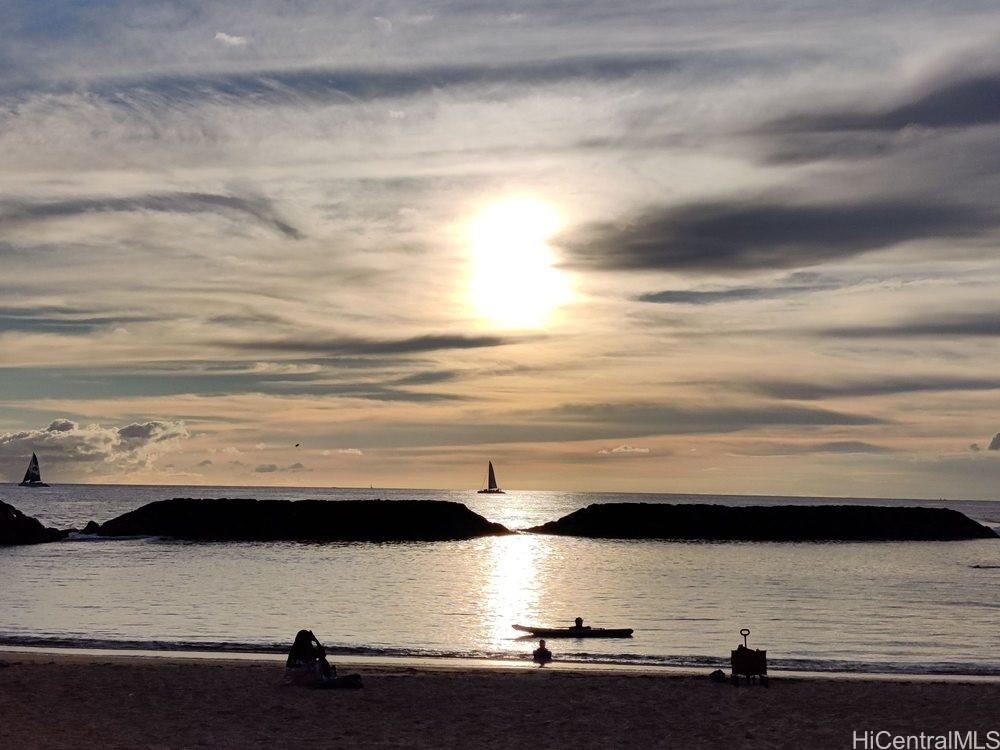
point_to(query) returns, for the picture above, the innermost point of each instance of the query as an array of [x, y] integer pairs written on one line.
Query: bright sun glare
[[513, 282]]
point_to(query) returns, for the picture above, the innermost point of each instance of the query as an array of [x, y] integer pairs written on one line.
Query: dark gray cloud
[[960, 324], [994, 443], [206, 462], [63, 320], [969, 100], [798, 283], [954, 102], [150, 432], [428, 377], [357, 346], [754, 235], [240, 208], [884, 386], [274, 468]]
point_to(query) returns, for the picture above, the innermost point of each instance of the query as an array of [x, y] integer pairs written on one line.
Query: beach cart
[[748, 662]]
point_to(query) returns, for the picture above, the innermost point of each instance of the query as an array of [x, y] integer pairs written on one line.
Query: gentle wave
[[625, 659]]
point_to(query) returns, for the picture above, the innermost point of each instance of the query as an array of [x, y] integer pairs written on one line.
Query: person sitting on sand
[[541, 655], [306, 663]]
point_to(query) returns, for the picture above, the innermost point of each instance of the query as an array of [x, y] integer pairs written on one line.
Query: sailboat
[[492, 488], [33, 476]]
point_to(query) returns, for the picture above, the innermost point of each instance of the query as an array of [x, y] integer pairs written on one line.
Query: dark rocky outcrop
[[302, 520], [17, 528], [778, 523], [92, 527]]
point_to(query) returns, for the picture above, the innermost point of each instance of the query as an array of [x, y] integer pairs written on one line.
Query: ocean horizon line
[[510, 490]]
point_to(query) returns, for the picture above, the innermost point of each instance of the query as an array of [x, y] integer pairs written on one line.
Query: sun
[[513, 281]]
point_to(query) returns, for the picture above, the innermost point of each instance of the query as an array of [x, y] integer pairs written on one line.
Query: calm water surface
[[903, 607]]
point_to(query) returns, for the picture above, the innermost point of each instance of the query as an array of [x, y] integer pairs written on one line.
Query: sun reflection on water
[[515, 583]]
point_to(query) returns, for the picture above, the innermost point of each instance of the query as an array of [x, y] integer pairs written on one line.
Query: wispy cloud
[[886, 385], [977, 325], [235, 207], [356, 346]]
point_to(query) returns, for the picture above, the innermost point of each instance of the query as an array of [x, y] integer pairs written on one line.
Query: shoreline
[[470, 664], [60, 700]]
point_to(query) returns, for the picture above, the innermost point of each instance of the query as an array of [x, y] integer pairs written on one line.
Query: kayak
[[584, 632]]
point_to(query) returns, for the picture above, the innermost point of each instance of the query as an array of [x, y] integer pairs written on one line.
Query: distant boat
[[33, 476], [492, 488]]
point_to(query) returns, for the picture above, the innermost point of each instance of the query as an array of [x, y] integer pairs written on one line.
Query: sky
[[683, 247]]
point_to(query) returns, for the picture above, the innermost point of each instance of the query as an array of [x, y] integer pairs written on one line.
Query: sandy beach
[[73, 701]]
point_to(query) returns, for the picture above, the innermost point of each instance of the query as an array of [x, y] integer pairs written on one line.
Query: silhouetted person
[[541, 655], [307, 662], [578, 623]]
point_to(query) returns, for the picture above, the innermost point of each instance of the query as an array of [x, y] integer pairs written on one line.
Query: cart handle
[[745, 632]]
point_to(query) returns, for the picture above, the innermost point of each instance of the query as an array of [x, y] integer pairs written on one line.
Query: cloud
[[846, 447], [968, 100], [850, 446], [732, 294], [350, 451], [234, 207], [331, 84], [957, 324], [274, 468], [63, 320], [358, 346], [737, 236], [654, 418], [64, 441], [624, 450], [206, 462], [230, 40], [880, 386], [994, 443]]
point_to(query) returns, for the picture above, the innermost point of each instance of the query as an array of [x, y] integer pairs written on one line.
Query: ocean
[[904, 607]]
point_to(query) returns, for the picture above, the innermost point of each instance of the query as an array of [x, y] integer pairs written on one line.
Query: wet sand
[[84, 701]]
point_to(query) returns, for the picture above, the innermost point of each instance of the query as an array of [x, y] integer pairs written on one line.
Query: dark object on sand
[[33, 476], [17, 528], [541, 655], [574, 632], [776, 523], [748, 662], [303, 520], [492, 488], [718, 676], [307, 666]]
